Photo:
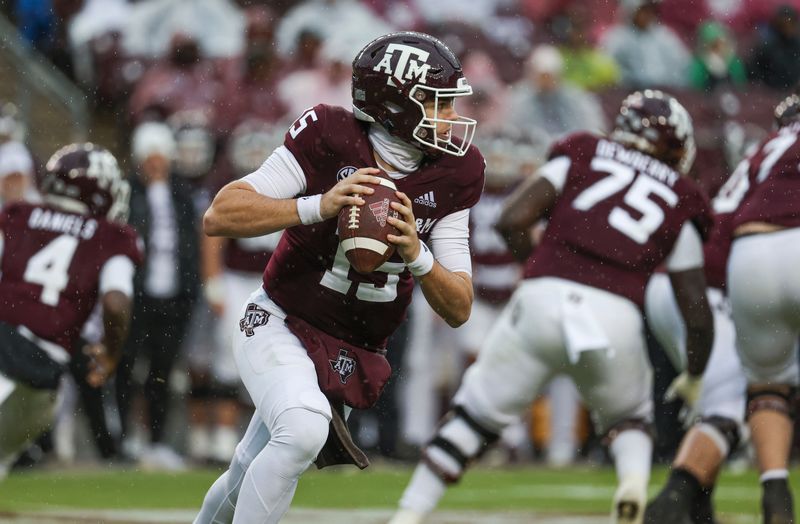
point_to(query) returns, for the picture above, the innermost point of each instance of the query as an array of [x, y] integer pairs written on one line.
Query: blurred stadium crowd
[[201, 91]]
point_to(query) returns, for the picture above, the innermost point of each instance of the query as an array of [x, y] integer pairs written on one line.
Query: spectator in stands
[[250, 85], [584, 65], [543, 102], [715, 62], [490, 95], [776, 59], [327, 83], [350, 22], [184, 79], [162, 212], [648, 53], [16, 173]]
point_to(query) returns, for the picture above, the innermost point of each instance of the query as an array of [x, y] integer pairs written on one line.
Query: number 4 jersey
[[617, 217], [50, 263]]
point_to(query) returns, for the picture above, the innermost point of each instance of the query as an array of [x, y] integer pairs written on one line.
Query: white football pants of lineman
[[764, 291], [724, 386], [564, 398], [287, 431], [554, 326]]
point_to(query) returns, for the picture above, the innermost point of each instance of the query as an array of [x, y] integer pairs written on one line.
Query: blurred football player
[[309, 341], [718, 417], [617, 208], [232, 269], [57, 259], [764, 293]]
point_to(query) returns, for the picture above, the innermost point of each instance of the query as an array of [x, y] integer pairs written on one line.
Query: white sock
[[632, 451], [423, 491], [774, 474]]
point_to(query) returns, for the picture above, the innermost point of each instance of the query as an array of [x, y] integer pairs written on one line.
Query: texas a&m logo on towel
[[344, 366]]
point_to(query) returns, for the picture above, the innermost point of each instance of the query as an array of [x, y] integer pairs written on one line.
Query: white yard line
[[301, 516]]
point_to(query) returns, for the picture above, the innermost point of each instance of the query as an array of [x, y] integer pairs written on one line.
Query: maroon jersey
[[50, 265], [770, 191], [249, 254], [617, 218], [495, 271], [309, 277], [716, 250]]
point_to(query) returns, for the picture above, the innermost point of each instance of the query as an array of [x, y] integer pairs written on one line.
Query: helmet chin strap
[[399, 153]]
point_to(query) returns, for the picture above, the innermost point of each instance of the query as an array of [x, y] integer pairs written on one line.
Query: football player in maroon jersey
[[764, 294], [310, 340], [617, 208], [57, 259], [718, 417]]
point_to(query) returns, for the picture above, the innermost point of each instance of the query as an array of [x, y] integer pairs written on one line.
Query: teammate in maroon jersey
[[56, 260], [617, 208], [718, 417], [313, 305], [764, 294]]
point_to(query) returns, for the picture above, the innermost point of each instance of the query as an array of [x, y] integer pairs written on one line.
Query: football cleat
[[629, 501]]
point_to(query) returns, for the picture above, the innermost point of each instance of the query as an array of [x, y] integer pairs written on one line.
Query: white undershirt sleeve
[[450, 242], [555, 171], [687, 253], [280, 176], [117, 275]]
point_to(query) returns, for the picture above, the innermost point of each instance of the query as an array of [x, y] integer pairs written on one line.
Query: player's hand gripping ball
[[363, 229]]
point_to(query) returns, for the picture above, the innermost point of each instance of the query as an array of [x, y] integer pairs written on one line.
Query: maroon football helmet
[[657, 124], [788, 111], [396, 74], [85, 178]]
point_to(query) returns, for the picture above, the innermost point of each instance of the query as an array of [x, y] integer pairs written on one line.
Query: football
[[363, 229]]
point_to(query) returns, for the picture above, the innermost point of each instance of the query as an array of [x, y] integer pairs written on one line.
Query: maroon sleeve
[[128, 244], [577, 146], [306, 138], [471, 186], [699, 209]]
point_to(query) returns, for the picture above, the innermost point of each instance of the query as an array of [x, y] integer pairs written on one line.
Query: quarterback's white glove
[[687, 388]]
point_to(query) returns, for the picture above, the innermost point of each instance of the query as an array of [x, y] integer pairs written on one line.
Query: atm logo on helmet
[[411, 64]]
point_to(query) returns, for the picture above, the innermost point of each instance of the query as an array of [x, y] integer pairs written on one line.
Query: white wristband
[[423, 264], [308, 208]]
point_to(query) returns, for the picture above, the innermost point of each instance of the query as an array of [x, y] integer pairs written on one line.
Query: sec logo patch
[[345, 172]]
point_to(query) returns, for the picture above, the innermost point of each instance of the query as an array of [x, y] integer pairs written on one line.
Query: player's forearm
[[239, 212], [448, 293], [116, 320], [699, 341]]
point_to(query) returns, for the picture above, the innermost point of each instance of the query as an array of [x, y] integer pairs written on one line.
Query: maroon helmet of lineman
[[396, 74], [85, 178], [657, 124], [787, 111]]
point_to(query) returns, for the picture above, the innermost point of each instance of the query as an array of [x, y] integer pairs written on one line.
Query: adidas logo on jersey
[[426, 199]]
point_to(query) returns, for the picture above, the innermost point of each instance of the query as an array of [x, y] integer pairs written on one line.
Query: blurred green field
[[572, 491]]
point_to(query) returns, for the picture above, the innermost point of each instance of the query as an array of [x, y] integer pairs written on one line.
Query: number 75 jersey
[[616, 218], [50, 264]]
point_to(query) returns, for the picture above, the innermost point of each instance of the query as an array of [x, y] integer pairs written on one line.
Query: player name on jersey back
[[63, 223], [637, 160]]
